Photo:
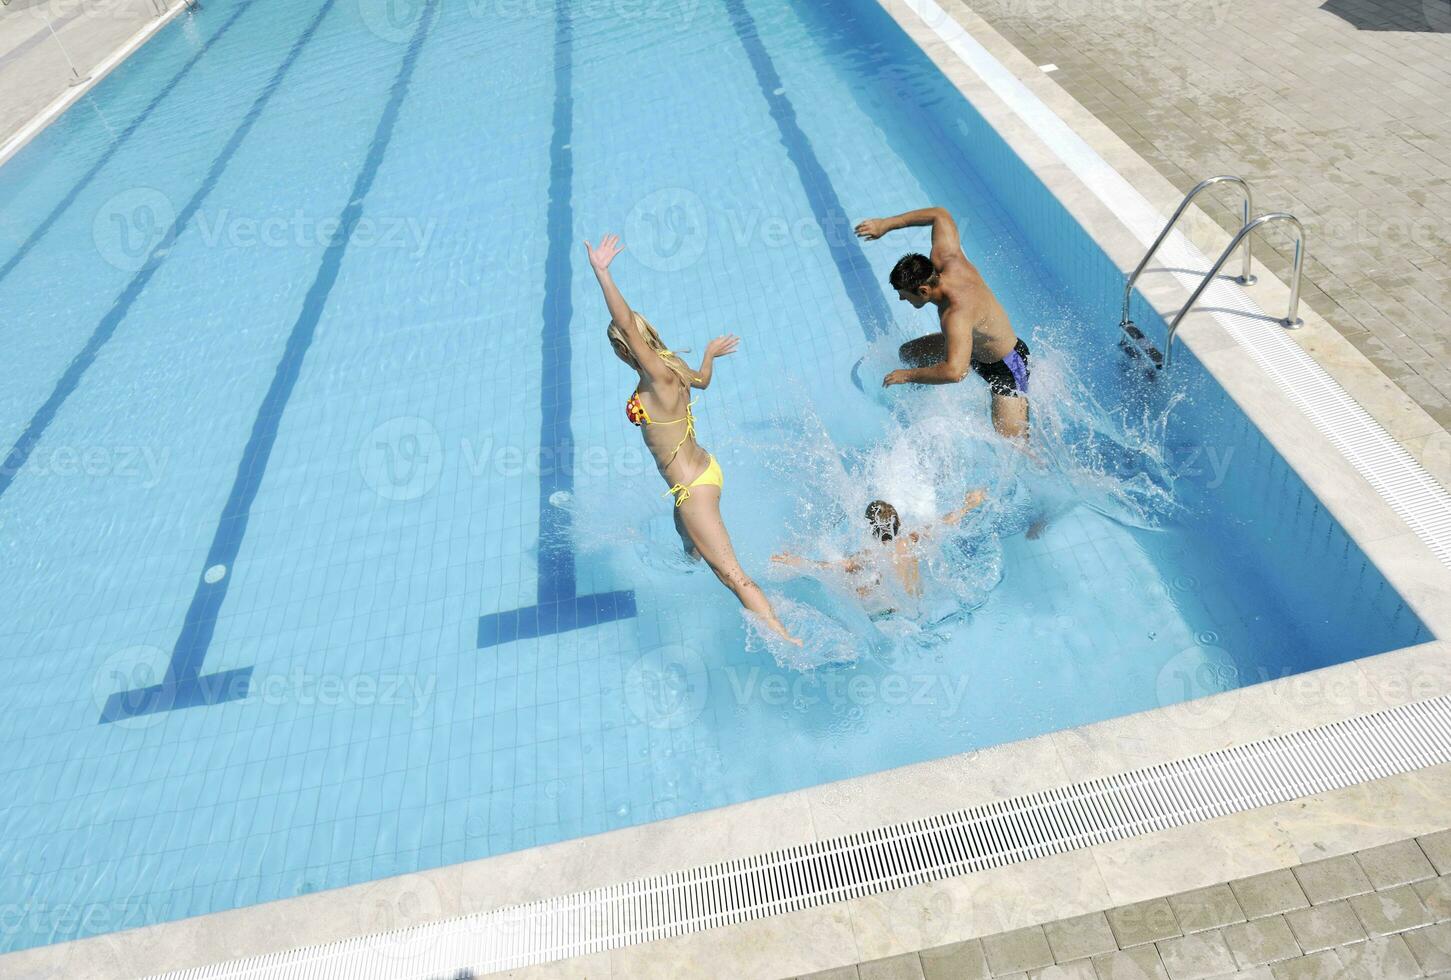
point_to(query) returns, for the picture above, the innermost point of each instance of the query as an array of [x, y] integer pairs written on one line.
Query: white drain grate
[[1273, 770]]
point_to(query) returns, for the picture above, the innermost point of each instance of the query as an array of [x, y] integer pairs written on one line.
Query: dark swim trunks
[[1008, 376]]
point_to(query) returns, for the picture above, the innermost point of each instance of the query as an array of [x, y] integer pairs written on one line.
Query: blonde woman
[[661, 407]]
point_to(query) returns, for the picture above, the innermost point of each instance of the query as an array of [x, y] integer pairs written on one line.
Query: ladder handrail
[[1291, 321], [1245, 278]]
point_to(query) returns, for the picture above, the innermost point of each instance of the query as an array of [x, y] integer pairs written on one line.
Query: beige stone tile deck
[[1349, 128], [1384, 933], [33, 66]]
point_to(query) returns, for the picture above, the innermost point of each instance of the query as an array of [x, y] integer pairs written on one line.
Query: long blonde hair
[[652, 339]]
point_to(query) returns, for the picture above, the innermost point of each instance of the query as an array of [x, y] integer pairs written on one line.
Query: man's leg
[[1010, 419], [1010, 416], [924, 350]]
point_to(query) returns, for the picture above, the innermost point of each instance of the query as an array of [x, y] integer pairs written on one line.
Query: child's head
[[884, 520]]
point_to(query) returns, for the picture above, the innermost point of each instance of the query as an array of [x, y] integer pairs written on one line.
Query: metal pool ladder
[[1246, 278]]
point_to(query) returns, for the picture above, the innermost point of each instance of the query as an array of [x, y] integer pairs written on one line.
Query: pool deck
[[885, 932], [1355, 143], [35, 76], [1382, 912], [1336, 111]]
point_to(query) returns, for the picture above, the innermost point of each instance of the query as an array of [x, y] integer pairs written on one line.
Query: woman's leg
[[689, 545], [701, 520]]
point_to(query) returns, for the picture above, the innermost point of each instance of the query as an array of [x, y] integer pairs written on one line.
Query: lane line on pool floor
[[116, 144], [558, 607], [826, 207], [19, 453], [183, 686]]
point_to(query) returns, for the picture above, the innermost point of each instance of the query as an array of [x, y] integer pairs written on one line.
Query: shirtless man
[[975, 334]]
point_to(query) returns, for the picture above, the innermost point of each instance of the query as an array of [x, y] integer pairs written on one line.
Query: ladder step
[[1135, 344]]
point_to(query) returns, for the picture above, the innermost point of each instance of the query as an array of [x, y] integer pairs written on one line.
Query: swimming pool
[[299, 593]]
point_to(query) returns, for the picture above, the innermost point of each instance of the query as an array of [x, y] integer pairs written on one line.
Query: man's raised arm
[[945, 241]]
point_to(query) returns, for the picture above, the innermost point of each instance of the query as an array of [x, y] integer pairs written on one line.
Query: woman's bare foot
[[790, 639], [776, 626]]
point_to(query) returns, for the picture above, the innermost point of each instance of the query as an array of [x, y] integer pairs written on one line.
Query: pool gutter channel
[[975, 839]]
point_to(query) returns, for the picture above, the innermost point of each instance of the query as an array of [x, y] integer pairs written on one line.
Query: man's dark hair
[[912, 271], [884, 520]]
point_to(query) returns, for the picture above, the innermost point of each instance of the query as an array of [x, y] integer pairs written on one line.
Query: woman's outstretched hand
[[601, 257], [722, 345]]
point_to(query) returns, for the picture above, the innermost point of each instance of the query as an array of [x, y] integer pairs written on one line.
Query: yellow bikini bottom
[[710, 476]]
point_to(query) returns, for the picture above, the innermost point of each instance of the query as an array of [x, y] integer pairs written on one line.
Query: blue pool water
[[328, 555]]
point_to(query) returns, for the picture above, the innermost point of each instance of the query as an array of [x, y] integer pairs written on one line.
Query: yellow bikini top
[[635, 411]]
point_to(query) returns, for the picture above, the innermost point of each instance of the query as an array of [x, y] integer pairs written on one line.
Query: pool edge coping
[[864, 802], [37, 124], [1405, 560]]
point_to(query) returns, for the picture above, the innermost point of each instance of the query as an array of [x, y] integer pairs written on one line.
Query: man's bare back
[[971, 306], [975, 333]]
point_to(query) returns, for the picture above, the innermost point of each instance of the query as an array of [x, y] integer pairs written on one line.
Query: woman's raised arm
[[646, 357]]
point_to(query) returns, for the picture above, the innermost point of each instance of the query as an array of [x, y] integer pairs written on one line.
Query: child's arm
[[848, 565], [970, 503]]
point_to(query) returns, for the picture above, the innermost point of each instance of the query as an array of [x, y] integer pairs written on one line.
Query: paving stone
[[1431, 946], [840, 973], [1436, 895], [1385, 958], [1072, 970], [1206, 908], [1324, 965], [1139, 963], [907, 967], [1143, 922], [1194, 957], [960, 961], [1261, 941], [1269, 894], [1395, 864], [1332, 879], [1341, 123], [1019, 950], [1324, 926], [1437, 847], [1080, 936], [1393, 910]]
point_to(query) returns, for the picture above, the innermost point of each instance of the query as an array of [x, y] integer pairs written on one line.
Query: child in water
[[865, 566]]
